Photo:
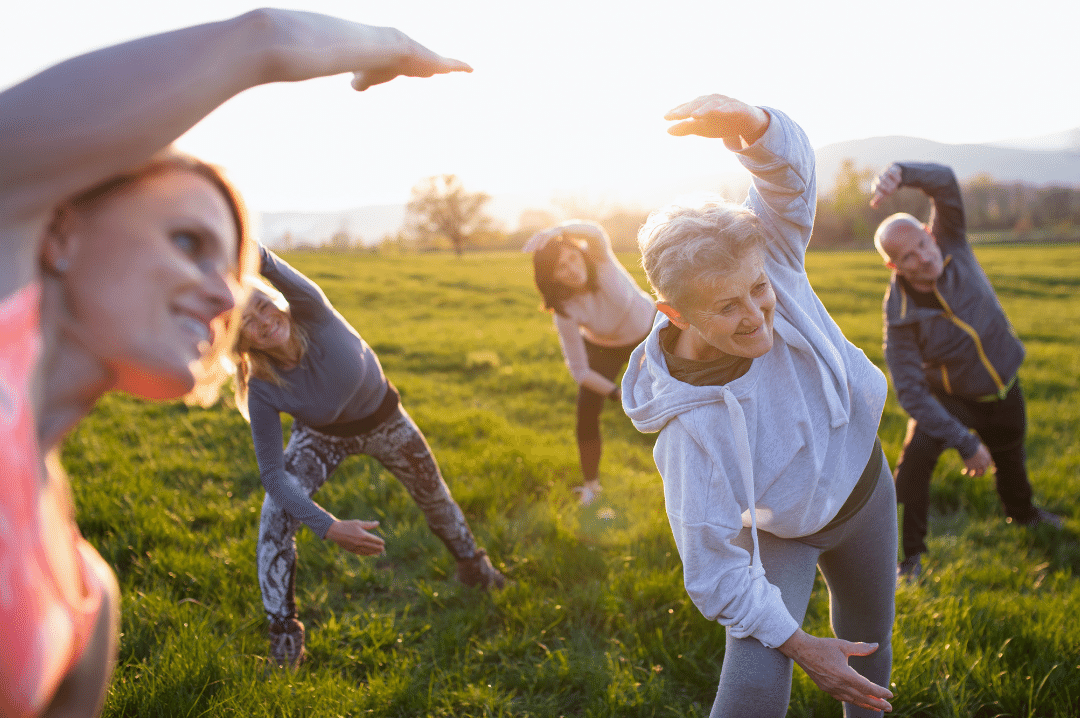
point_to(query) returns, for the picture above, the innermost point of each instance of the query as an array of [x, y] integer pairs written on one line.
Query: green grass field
[[596, 621]]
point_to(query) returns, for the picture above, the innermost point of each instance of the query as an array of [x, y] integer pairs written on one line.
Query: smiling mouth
[[199, 329]]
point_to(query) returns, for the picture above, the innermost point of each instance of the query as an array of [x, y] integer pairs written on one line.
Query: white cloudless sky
[[568, 96]]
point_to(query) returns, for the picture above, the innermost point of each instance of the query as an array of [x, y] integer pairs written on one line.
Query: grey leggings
[[858, 560], [311, 457]]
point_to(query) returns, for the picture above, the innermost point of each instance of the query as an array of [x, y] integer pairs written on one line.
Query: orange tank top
[[49, 597]]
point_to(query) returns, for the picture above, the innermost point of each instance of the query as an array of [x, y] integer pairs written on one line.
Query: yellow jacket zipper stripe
[[975, 337]]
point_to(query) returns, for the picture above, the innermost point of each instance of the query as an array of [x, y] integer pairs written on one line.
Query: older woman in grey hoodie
[[768, 423]]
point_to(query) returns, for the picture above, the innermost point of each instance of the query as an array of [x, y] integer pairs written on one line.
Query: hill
[[1045, 160]]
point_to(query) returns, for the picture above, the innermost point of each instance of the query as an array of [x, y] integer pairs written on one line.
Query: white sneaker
[[588, 492]]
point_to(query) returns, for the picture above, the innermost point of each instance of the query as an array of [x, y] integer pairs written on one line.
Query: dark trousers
[[608, 362], [1000, 425]]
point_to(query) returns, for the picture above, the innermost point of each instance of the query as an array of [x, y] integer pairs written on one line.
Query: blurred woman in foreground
[[116, 260], [601, 315]]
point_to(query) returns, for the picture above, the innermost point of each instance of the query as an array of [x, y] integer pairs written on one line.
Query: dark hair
[[554, 292]]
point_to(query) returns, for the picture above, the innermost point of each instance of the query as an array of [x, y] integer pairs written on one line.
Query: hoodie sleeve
[[705, 519], [284, 489], [783, 194]]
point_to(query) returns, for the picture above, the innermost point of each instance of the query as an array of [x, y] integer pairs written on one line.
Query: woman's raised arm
[[96, 115]]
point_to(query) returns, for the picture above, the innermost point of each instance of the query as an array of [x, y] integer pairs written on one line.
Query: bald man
[[952, 355]]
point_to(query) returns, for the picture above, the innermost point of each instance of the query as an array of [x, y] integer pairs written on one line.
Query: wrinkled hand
[[885, 184], [825, 660], [979, 463], [354, 536], [719, 116]]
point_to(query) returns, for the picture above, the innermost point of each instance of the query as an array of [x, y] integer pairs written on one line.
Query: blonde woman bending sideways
[[300, 357], [768, 422]]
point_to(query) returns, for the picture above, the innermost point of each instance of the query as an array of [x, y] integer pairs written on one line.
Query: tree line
[[443, 215]]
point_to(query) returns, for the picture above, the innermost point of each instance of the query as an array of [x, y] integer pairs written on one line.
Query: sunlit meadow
[[595, 621]]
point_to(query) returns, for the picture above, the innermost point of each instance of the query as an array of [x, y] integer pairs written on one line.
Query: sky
[[568, 96]]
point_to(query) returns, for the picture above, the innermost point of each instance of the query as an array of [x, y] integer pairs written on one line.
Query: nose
[[756, 313], [220, 291]]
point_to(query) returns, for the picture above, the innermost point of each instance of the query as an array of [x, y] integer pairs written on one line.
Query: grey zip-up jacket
[[967, 348]]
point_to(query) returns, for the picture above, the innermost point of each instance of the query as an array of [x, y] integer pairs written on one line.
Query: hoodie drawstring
[[746, 468]]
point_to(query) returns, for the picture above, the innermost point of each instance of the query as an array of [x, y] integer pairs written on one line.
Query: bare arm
[[98, 114]]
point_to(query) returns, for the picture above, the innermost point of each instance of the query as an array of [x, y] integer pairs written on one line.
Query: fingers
[[691, 127], [410, 60], [885, 184], [701, 106], [718, 116], [860, 649]]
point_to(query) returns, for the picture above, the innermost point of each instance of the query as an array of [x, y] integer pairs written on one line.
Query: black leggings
[[1000, 425], [608, 362]]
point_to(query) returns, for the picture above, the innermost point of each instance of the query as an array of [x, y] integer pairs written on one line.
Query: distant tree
[[851, 201], [342, 241], [533, 220], [622, 226], [441, 208]]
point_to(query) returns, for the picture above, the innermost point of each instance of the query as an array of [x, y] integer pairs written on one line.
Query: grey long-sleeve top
[[339, 379]]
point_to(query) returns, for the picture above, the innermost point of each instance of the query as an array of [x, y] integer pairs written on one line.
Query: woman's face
[[736, 313], [148, 269], [264, 326], [570, 268]]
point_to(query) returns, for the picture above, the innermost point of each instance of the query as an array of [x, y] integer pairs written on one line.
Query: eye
[[187, 242]]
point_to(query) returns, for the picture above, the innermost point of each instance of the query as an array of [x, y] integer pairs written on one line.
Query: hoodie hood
[[652, 397]]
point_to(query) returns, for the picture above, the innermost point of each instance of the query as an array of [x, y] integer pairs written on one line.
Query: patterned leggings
[[311, 457]]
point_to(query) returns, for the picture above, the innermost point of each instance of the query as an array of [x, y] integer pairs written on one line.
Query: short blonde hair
[[683, 246]]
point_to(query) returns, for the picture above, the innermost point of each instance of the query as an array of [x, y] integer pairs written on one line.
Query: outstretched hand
[[318, 45], [885, 184], [719, 116], [825, 660], [354, 536], [572, 228], [402, 56]]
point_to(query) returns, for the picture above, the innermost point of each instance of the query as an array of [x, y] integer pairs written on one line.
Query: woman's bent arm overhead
[[101, 113]]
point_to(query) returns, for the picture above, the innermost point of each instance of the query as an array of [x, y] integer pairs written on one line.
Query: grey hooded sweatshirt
[[778, 449]]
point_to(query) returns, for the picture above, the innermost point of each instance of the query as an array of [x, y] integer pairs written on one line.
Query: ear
[[926, 228], [60, 242], [673, 314]]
